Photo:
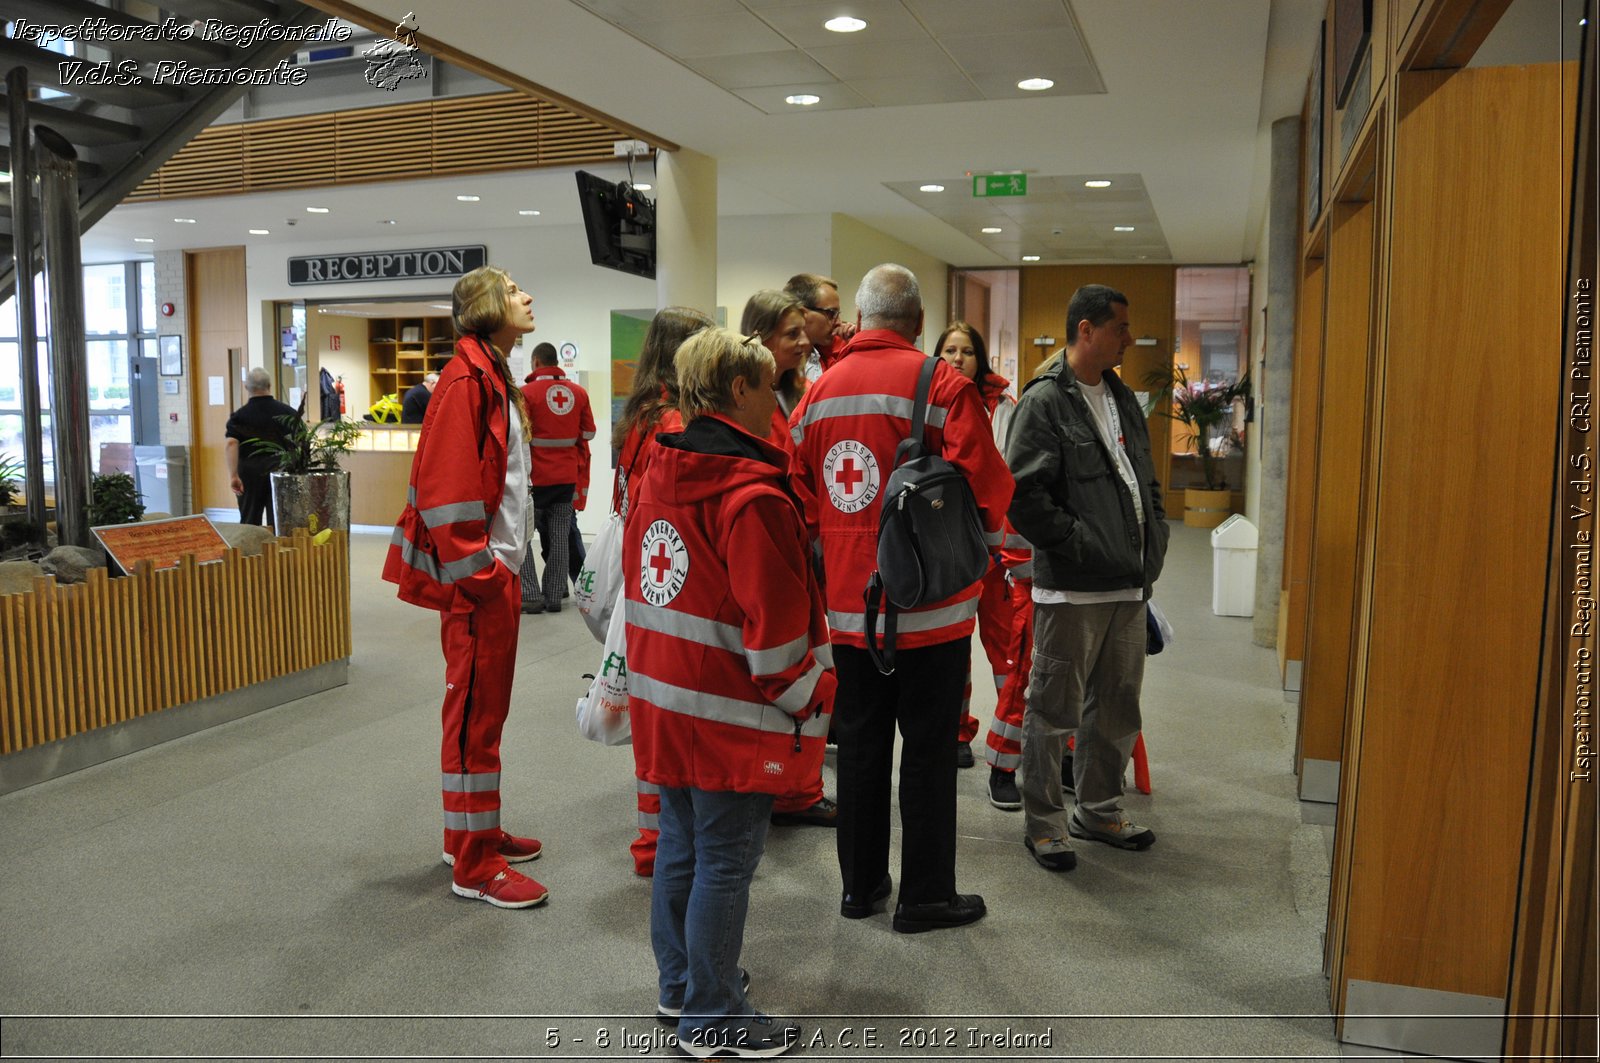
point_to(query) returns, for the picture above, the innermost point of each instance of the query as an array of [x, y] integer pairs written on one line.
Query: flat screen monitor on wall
[[620, 223]]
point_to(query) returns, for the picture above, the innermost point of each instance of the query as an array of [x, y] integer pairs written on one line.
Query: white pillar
[[686, 230]]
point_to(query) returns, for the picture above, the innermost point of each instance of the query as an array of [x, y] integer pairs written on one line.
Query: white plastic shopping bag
[[1163, 625], [601, 578], [603, 712]]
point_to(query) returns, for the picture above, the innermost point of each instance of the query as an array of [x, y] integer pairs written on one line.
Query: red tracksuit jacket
[[730, 675], [458, 475], [562, 425], [846, 429]]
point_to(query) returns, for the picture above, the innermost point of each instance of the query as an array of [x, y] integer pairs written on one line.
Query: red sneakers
[[515, 850], [508, 889]]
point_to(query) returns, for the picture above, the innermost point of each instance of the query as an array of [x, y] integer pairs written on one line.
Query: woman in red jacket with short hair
[[730, 677]]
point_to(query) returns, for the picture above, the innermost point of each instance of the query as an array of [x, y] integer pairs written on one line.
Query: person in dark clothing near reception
[[249, 470], [414, 407]]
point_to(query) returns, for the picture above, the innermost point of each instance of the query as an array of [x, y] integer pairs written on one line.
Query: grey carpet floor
[[272, 887]]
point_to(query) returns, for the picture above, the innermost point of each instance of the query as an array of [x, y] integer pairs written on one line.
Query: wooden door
[[217, 327]]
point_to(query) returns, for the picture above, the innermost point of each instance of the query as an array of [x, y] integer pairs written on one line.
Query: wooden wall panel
[[217, 322], [1462, 525], [1305, 408], [1343, 393]]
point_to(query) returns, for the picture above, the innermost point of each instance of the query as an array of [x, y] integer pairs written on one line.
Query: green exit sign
[[1000, 184]]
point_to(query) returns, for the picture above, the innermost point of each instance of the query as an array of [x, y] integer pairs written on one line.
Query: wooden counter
[[380, 469]]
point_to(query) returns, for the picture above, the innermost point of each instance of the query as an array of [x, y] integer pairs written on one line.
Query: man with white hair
[[249, 470], [846, 431]]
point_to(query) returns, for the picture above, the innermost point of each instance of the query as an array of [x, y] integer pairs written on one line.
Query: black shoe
[[1067, 785], [533, 607], [1003, 790], [1057, 860], [964, 755], [959, 910], [822, 814], [856, 910], [553, 607]]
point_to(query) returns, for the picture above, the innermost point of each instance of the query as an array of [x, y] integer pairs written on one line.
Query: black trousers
[[922, 699], [255, 505]]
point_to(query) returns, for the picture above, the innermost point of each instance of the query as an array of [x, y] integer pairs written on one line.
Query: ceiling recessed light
[[1030, 258], [316, 210], [387, 221], [1122, 228], [932, 188], [1097, 184], [184, 221], [467, 199], [803, 99], [143, 240], [991, 228], [1035, 84], [845, 24], [528, 213], [643, 188], [260, 232]]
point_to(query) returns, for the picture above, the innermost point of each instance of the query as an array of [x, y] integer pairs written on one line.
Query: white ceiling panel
[[761, 68], [954, 18], [906, 91], [732, 33]]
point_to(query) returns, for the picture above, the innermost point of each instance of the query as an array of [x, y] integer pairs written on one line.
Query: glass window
[[104, 303], [147, 296]]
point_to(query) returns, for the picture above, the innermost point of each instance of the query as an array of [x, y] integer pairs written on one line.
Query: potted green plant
[[10, 472], [1206, 413], [113, 499], [309, 490]]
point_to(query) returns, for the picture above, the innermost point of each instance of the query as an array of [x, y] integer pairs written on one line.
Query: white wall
[[349, 361], [764, 251]]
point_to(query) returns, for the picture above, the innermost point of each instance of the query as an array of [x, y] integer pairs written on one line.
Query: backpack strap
[[913, 446], [882, 658]]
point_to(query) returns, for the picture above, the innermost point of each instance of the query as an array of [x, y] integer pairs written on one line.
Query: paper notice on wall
[[216, 390], [294, 396]]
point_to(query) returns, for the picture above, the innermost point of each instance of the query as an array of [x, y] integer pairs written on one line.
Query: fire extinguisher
[[338, 385]]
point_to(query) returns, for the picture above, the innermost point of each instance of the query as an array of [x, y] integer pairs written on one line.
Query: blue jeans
[[711, 842]]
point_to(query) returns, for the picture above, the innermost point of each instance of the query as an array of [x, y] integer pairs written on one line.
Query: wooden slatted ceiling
[[471, 134]]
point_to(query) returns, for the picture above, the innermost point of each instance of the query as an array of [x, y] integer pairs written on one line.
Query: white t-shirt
[[1108, 423], [508, 532]]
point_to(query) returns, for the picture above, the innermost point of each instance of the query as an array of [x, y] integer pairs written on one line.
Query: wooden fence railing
[[82, 656]]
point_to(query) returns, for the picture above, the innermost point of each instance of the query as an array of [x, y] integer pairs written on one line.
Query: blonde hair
[[710, 361], [478, 308]]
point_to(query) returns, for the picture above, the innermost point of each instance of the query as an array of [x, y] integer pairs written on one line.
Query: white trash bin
[[1233, 567]]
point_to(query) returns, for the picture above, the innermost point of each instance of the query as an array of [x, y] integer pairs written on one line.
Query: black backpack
[[930, 537]]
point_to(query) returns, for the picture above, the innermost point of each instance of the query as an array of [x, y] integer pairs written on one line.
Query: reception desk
[[380, 469]]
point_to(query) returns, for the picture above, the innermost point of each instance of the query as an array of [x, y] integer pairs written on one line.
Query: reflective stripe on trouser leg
[[995, 607], [558, 526], [1004, 745], [480, 651], [529, 575]]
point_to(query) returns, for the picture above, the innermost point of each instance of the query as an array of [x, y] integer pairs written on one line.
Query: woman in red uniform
[[962, 346], [458, 549], [779, 320], [730, 679], [652, 407]]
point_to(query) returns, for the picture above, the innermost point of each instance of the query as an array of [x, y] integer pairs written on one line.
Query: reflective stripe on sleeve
[[588, 435], [777, 658], [993, 539], [450, 513], [798, 696], [472, 821], [472, 783], [925, 620]]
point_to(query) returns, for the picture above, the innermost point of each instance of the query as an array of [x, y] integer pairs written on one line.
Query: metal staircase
[[123, 132]]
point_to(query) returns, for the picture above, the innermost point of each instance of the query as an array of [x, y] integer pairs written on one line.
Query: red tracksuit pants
[[1004, 746], [480, 658], [994, 632]]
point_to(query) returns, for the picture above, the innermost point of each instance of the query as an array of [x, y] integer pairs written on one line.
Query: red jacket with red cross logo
[[846, 429], [562, 425], [730, 675]]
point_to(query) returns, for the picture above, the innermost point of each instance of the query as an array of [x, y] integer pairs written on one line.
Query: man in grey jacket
[[1088, 500]]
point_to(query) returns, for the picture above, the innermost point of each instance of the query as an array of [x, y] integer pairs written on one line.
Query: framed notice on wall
[[171, 355]]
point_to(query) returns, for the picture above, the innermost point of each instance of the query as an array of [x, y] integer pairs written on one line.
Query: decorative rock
[[246, 538], [16, 577], [71, 564]]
